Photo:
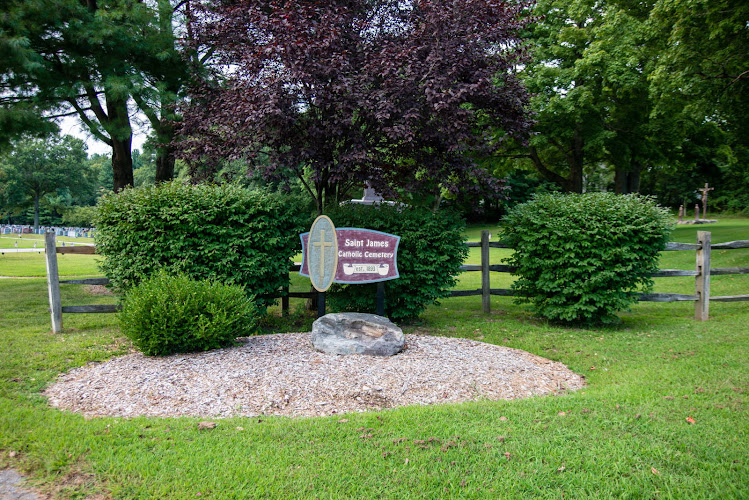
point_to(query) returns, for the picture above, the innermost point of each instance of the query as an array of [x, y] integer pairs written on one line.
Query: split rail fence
[[701, 297], [702, 273], [53, 282]]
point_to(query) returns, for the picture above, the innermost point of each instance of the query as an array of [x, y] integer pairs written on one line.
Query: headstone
[[357, 333], [371, 197]]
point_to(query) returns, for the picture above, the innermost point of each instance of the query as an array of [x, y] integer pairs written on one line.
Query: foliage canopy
[[93, 60], [47, 171], [336, 93]]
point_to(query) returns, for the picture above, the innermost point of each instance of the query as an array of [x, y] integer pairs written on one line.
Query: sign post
[[348, 255]]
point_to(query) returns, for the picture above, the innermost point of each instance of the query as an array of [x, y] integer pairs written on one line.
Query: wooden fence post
[[702, 280], [285, 301], [53, 281], [486, 298]]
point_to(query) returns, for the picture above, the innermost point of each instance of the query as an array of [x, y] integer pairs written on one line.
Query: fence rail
[[702, 273], [701, 297], [53, 282]]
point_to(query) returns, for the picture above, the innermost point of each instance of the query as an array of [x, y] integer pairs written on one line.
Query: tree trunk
[[122, 163], [36, 212], [164, 164], [548, 174], [574, 182], [165, 130], [627, 180], [576, 163], [121, 137]]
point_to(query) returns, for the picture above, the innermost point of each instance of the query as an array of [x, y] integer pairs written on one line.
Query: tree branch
[[93, 127], [549, 174], [152, 116], [300, 175], [71, 113], [741, 75], [93, 99]]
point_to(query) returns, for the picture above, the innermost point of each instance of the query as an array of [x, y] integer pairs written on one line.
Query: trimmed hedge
[[583, 258], [170, 314], [223, 233], [430, 254]]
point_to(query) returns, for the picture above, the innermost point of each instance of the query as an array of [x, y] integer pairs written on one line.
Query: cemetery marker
[[704, 192], [348, 255]]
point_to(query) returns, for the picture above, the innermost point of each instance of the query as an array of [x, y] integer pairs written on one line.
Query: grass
[[627, 434], [33, 264], [28, 240]]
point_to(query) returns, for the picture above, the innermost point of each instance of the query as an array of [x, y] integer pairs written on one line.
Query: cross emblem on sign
[[322, 253], [322, 245]]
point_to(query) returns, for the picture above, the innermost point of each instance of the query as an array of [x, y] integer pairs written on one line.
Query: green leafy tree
[[700, 89], [569, 131], [144, 167], [102, 164], [655, 92], [589, 77], [79, 216], [92, 59], [36, 168], [703, 69], [162, 71]]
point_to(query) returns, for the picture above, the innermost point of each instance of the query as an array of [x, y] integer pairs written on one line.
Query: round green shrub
[[224, 233], [430, 254], [169, 314], [585, 257]]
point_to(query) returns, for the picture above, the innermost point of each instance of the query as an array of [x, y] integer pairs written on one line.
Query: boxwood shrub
[[585, 257], [430, 253], [224, 233], [169, 314]]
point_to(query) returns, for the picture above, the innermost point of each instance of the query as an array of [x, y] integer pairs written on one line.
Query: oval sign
[[322, 253]]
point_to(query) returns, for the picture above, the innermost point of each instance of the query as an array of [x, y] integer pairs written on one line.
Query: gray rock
[[357, 333], [11, 487]]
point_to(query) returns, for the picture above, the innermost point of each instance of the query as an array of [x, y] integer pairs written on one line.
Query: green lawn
[[627, 434], [33, 264], [28, 240]]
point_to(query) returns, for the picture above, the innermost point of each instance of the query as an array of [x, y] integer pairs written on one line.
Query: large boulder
[[357, 333]]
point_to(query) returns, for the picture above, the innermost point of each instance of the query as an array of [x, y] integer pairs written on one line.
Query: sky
[[72, 126]]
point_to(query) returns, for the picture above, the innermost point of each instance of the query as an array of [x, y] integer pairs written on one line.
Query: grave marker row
[[71, 232]]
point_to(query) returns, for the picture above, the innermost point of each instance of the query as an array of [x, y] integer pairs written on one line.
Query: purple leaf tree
[[405, 94]]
